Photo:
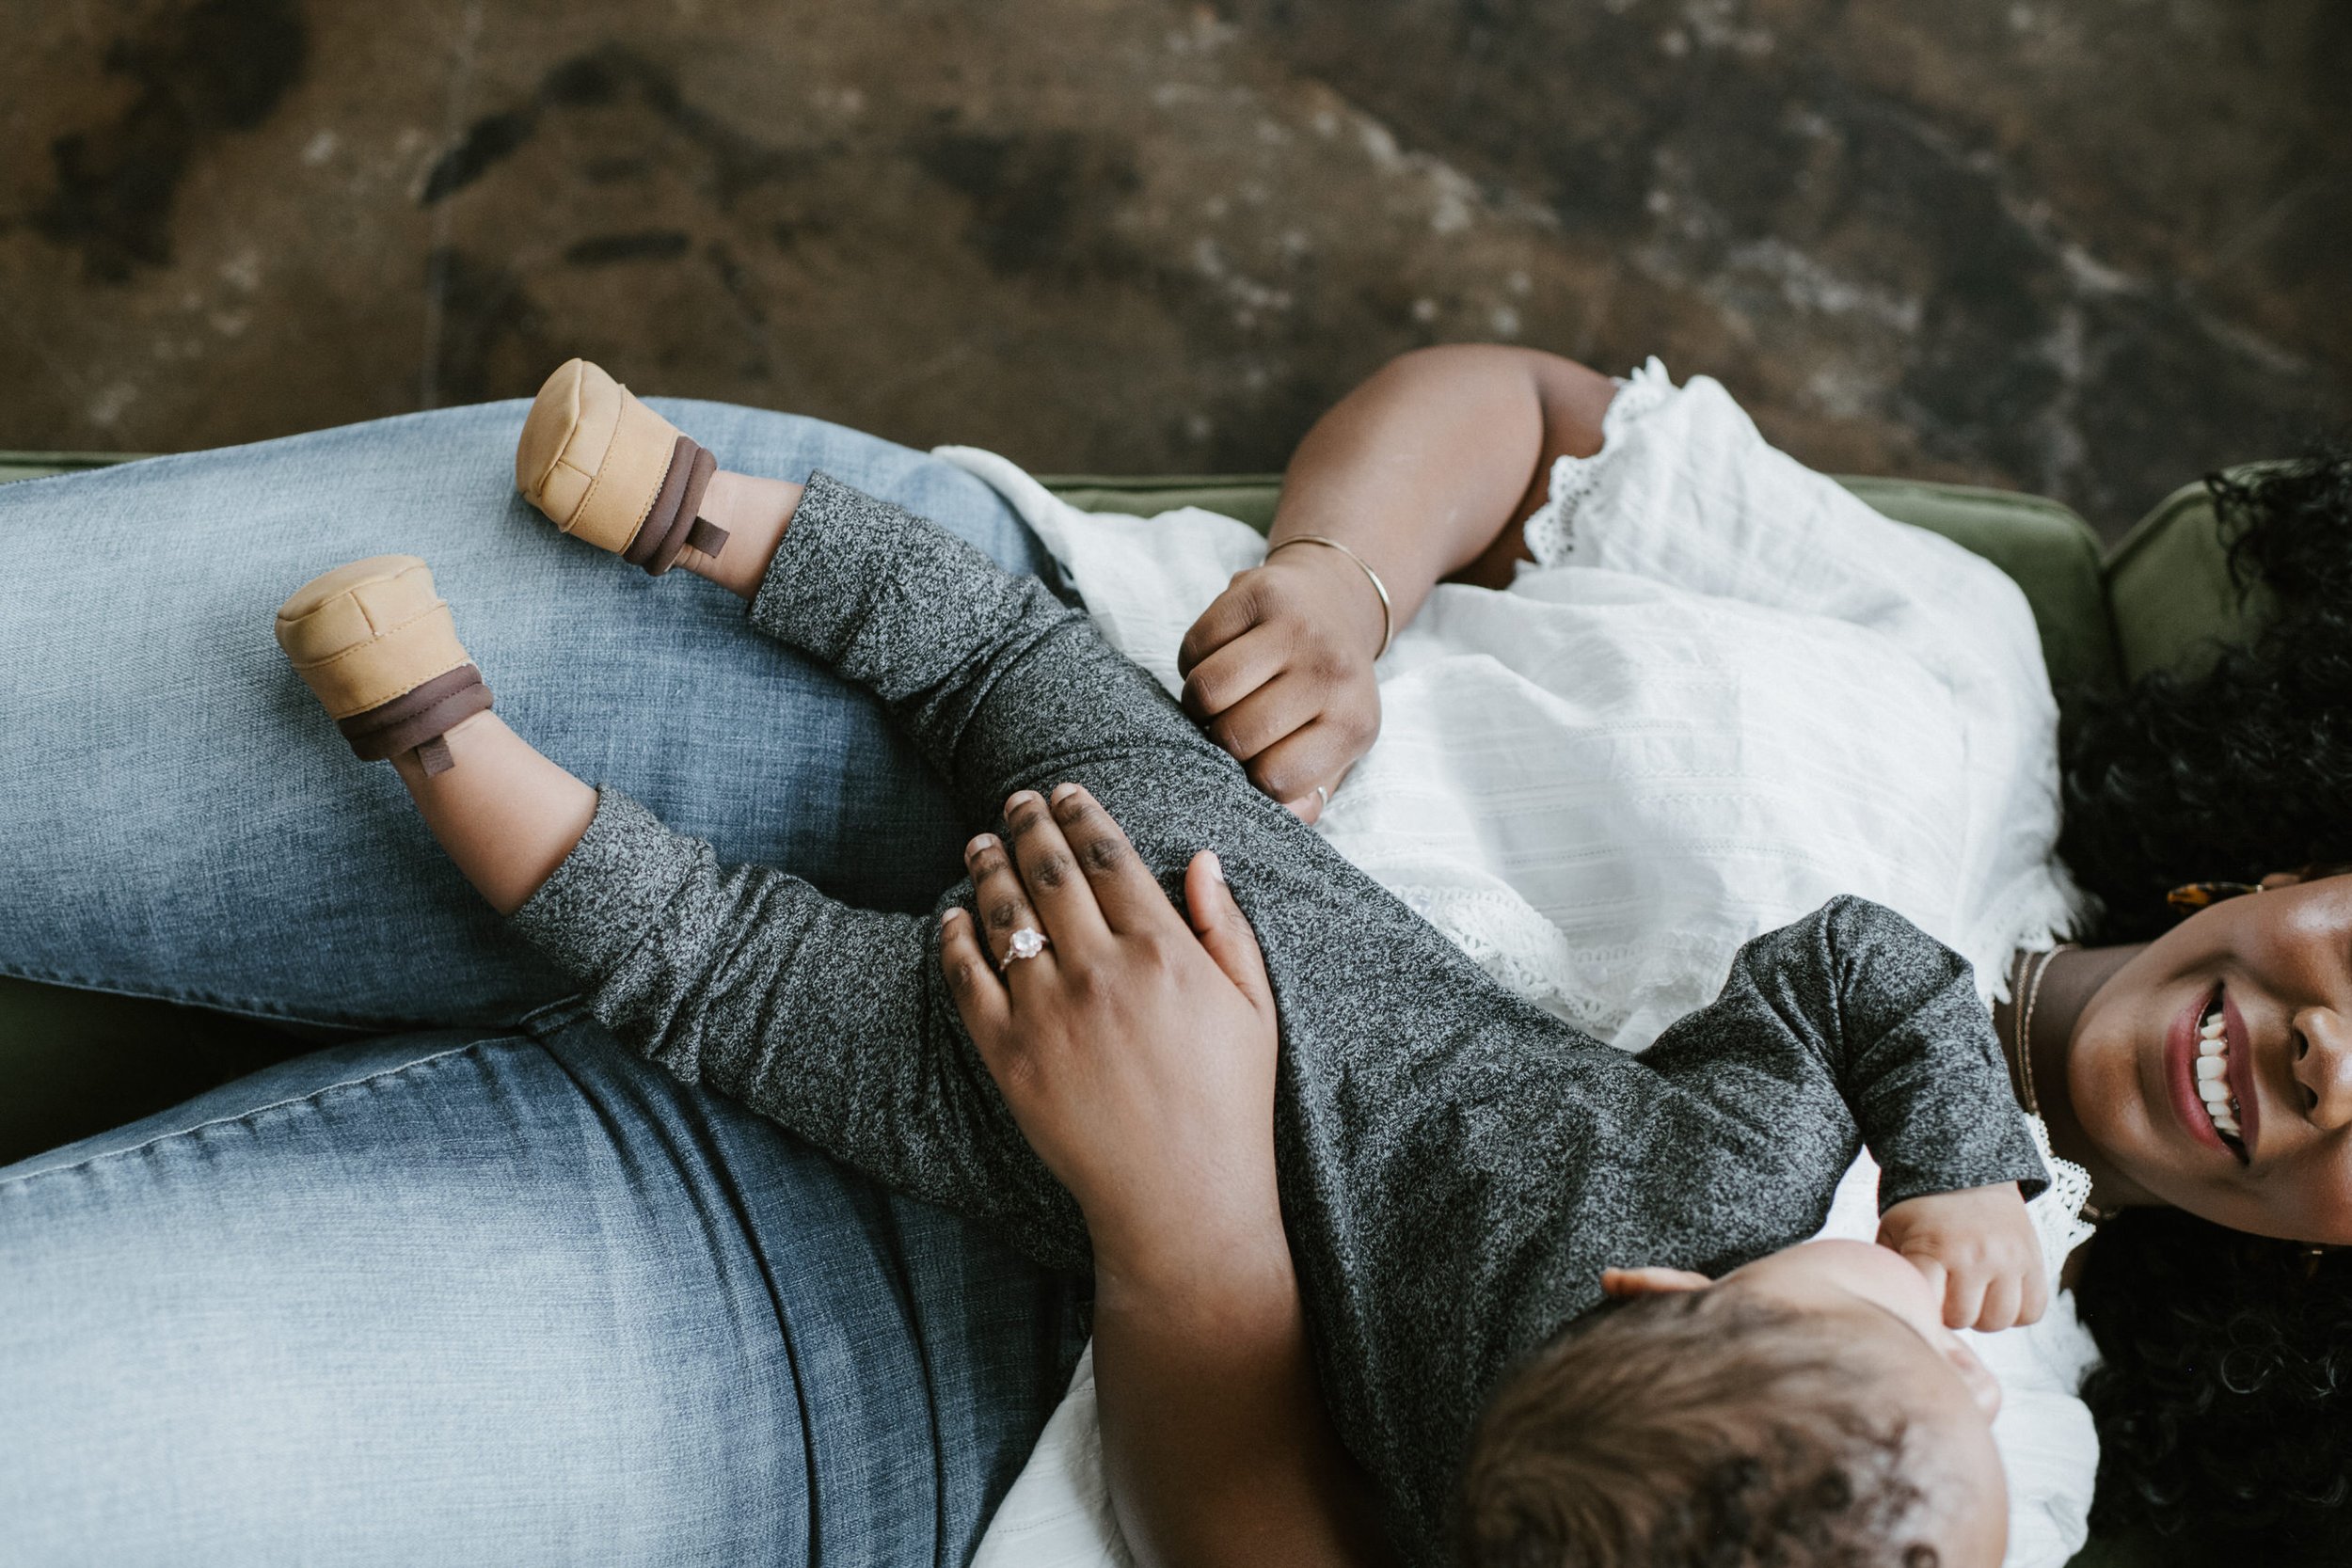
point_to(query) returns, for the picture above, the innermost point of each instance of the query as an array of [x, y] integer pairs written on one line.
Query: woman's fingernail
[[1216, 867], [1063, 792], [950, 915], [1020, 797], [984, 841]]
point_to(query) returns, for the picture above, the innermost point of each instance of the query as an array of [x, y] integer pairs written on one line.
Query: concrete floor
[[2087, 247]]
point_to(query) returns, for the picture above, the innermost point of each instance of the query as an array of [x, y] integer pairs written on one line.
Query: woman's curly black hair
[[2224, 1400], [2224, 1395], [2245, 768]]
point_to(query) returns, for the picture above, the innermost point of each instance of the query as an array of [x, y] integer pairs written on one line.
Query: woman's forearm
[[1426, 468], [1423, 472], [1218, 1446]]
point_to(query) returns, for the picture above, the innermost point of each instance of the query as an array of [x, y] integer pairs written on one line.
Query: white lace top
[[1724, 692]]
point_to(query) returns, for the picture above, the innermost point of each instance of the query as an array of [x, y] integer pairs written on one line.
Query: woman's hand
[[1426, 472], [1137, 1051], [1278, 672]]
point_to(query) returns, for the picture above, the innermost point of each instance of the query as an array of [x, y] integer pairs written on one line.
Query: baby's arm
[[1855, 1000]]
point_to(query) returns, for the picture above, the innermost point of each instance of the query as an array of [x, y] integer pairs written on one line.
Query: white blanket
[[1724, 691]]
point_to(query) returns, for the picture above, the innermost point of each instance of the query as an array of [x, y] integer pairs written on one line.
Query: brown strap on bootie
[[673, 524], [417, 719]]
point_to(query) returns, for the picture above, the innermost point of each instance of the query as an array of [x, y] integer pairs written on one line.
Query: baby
[[1459, 1171]]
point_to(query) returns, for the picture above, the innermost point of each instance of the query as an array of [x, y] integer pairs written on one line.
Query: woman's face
[[2275, 1155]]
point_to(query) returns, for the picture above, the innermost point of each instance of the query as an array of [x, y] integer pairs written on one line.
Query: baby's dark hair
[[1702, 1427]]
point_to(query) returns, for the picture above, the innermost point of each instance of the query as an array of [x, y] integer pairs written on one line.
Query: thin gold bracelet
[[1388, 611]]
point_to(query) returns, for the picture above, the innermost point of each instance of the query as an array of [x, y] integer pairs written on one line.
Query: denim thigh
[[183, 821], [504, 1300]]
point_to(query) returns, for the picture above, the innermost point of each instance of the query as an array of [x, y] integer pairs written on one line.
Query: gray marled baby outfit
[[1457, 1165]]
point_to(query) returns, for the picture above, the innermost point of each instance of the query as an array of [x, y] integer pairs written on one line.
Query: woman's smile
[[2224, 1040], [2196, 1061], [2238, 1061]]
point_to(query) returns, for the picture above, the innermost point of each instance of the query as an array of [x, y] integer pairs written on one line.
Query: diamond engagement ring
[[1026, 942]]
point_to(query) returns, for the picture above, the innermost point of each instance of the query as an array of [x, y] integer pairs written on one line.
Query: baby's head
[[1810, 1408]]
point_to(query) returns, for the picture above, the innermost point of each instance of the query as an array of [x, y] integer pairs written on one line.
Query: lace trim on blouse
[[2058, 1214], [1550, 529]]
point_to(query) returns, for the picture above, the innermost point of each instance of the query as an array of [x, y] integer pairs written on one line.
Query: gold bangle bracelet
[[1388, 611]]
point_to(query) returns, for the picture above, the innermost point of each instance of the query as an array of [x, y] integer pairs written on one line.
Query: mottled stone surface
[[2086, 247]]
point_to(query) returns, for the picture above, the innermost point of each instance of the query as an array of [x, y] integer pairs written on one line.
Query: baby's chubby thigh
[[182, 824]]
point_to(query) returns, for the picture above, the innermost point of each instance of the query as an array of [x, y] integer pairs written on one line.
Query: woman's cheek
[[2111, 1103], [2321, 1182]]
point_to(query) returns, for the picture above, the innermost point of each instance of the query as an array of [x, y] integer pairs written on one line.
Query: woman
[[1453, 432], [2224, 1349]]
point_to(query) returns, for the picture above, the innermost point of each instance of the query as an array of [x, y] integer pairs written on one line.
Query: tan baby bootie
[[604, 466], [380, 649]]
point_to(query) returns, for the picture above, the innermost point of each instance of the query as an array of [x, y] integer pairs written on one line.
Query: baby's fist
[[1977, 1249]]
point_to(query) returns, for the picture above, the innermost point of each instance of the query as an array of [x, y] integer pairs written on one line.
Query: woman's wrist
[[1214, 1259], [1343, 589]]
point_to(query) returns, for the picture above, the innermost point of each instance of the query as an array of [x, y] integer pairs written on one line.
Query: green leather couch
[[76, 1062]]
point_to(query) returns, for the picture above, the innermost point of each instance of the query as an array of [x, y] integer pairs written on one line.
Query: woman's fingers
[[1125, 891], [1058, 890], [1224, 930], [972, 980], [1231, 672], [1309, 808], [1256, 723], [1229, 615], [1319, 752], [1002, 900]]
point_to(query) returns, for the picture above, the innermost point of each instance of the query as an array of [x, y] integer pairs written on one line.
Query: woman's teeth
[[2213, 1073]]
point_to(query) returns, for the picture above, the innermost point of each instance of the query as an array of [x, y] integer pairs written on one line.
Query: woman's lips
[[2179, 1071], [2242, 1076]]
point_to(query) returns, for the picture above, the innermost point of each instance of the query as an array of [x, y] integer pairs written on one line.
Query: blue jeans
[[500, 1294], [183, 821]]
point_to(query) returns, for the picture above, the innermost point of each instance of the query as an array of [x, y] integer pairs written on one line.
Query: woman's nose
[[2322, 1066]]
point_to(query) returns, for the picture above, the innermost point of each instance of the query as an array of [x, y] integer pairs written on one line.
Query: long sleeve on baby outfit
[[1456, 1167]]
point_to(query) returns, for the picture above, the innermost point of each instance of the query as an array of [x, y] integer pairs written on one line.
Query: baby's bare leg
[[379, 649], [506, 814], [754, 513]]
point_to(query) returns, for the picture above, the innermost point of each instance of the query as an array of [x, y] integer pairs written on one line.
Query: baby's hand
[[1977, 1249]]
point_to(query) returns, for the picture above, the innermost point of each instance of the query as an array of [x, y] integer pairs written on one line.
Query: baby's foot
[[607, 469], [380, 651], [604, 466]]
